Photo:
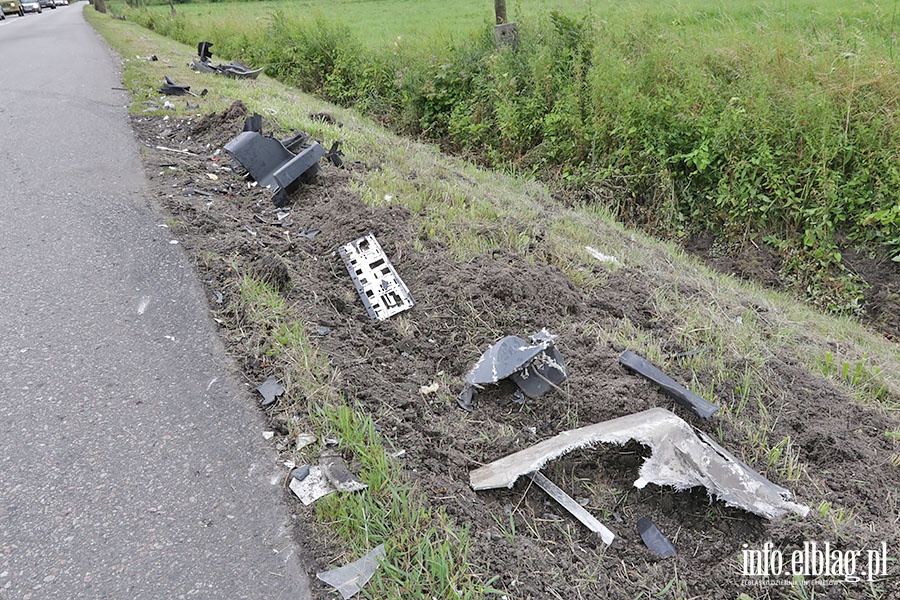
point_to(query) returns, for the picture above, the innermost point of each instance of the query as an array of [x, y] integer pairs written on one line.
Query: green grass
[[472, 211], [769, 120]]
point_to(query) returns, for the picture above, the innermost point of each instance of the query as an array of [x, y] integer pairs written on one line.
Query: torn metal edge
[[380, 288], [680, 458], [575, 509]]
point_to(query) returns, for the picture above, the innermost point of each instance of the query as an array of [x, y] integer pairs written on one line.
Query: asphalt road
[[132, 463]]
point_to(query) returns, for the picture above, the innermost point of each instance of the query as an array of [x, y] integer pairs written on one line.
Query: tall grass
[[771, 120]]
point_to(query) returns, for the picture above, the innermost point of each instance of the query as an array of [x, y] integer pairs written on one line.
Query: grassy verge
[[771, 122], [473, 212]]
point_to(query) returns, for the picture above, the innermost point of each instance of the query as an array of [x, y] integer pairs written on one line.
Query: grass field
[[772, 121]]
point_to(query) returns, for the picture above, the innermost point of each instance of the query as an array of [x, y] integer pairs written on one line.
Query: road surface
[[132, 463]]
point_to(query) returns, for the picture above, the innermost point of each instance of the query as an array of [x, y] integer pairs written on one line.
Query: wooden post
[[500, 11], [172, 7]]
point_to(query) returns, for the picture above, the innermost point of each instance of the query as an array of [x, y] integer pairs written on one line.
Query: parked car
[[10, 7], [47, 3], [31, 6], [60, 2]]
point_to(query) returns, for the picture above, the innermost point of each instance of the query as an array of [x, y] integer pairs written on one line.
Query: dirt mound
[[537, 550]]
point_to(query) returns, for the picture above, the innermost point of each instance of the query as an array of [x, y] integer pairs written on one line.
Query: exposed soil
[[756, 261], [461, 309]]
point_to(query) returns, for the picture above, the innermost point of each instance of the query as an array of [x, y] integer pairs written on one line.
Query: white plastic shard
[[680, 459], [575, 509], [382, 291], [602, 257], [349, 579]]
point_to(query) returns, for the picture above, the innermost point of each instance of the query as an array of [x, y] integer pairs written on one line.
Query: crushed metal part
[[350, 579], [681, 458], [669, 386], [654, 538], [380, 288], [273, 165], [575, 509], [269, 389], [536, 367]]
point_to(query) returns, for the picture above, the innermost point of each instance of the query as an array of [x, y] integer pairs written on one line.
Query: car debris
[[272, 164], [681, 458], [203, 64], [669, 386], [176, 89], [269, 390], [575, 509], [654, 539], [233, 69], [311, 482], [536, 367], [305, 439], [350, 579], [380, 288]]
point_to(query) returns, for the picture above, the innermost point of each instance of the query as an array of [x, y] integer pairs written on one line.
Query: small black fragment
[[654, 538]]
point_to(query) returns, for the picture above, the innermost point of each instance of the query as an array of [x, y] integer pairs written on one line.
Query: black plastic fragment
[[465, 398], [519, 397], [654, 538], [334, 155], [176, 89], [296, 142], [300, 473], [253, 123], [203, 51], [669, 386], [273, 165]]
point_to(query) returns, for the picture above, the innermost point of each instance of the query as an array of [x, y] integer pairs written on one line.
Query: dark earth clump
[[534, 546]]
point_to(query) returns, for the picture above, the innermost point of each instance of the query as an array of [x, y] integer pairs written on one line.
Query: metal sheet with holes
[[382, 291]]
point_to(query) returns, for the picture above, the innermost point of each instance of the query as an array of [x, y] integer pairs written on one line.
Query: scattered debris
[[309, 483], [322, 331], [669, 386], [272, 164], [681, 458], [176, 89], [309, 234], [325, 118], [190, 191], [602, 257], [234, 69], [654, 538], [334, 155], [219, 297], [577, 511], [350, 579], [270, 389], [535, 367], [382, 291], [268, 435]]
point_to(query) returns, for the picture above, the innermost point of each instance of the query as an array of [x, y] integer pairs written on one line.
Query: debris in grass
[[350, 579], [322, 331], [329, 476], [380, 288], [654, 538], [170, 88], [680, 458], [233, 69], [268, 435], [272, 164], [576, 510], [669, 386], [270, 389], [602, 257], [535, 367], [305, 439], [219, 297]]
